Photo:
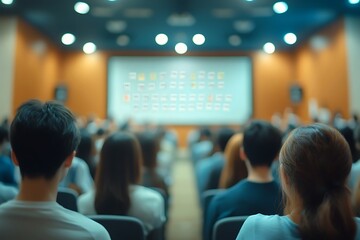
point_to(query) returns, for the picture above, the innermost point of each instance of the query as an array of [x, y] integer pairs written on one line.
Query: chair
[[228, 228], [67, 198], [121, 227], [206, 199]]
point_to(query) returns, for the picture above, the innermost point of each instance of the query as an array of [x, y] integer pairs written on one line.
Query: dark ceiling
[[141, 20]]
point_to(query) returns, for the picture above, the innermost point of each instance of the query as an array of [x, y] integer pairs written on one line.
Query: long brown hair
[[234, 168], [316, 161], [120, 165]]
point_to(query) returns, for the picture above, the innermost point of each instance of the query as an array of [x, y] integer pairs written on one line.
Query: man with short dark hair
[[258, 193], [44, 137]]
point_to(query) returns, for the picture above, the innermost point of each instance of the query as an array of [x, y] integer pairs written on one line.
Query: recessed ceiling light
[[68, 39], [180, 48], [7, 2], [81, 7], [161, 39], [269, 48], [234, 40], [354, 1], [280, 7], [198, 39], [290, 38], [89, 48], [123, 40]]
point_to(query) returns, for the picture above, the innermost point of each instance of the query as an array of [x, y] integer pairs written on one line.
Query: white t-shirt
[[23, 220], [146, 204]]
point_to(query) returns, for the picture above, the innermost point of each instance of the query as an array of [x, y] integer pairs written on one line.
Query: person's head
[[222, 137], [86, 146], [314, 165], [43, 137], [348, 134], [262, 143], [234, 169], [149, 143], [4, 135], [119, 167], [357, 137], [205, 134]]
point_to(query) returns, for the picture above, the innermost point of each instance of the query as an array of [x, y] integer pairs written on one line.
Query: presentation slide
[[180, 90]]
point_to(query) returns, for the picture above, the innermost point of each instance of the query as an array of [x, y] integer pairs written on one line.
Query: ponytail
[[332, 219]]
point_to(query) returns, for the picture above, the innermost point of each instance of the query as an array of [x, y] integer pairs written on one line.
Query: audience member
[[7, 168], [203, 146], [258, 193], [151, 177], [86, 151], [314, 165], [44, 138], [234, 168], [117, 190]]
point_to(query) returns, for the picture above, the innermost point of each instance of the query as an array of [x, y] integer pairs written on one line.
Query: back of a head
[[42, 136], [85, 147], [119, 166], [316, 160], [262, 143], [348, 134], [223, 136], [149, 143]]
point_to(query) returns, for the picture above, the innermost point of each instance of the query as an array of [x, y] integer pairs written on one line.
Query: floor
[[184, 214]]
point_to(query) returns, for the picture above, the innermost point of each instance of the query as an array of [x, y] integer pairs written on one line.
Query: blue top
[[7, 170], [243, 199], [274, 227]]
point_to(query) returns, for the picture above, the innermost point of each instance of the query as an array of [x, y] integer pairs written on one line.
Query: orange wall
[[323, 73], [36, 72], [86, 78]]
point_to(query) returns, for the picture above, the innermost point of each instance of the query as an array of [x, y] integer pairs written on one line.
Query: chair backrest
[[206, 199], [121, 227], [228, 228], [67, 198]]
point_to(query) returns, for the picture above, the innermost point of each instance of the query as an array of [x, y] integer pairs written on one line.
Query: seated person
[[354, 177], [78, 177], [43, 138], [7, 168], [258, 193], [315, 162], [117, 190]]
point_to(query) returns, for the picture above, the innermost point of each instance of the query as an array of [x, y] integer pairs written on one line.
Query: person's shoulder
[[144, 193], [96, 230]]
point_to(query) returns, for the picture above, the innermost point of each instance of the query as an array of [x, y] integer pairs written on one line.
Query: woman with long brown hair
[[116, 184], [315, 162], [234, 169]]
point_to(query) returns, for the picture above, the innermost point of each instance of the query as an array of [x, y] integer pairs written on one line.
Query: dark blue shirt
[[243, 199], [7, 170]]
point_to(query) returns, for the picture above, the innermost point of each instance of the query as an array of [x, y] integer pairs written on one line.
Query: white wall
[[353, 53], [7, 61]]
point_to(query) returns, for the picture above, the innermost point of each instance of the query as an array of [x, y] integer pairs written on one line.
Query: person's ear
[[14, 158], [242, 154], [69, 159]]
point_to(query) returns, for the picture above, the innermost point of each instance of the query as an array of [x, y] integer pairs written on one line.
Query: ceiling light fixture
[[280, 7], [81, 7], [180, 48], [89, 48], [354, 1], [198, 39], [290, 38], [269, 48], [161, 39], [68, 39], [7, 2]]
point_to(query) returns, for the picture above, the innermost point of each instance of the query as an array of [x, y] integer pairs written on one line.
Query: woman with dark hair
[[315, 162], [149, 143], [116, 184]]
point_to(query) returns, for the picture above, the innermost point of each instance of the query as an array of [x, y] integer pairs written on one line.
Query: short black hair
[[223, 136], [357, 134], [42, 136], [262, 143]]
